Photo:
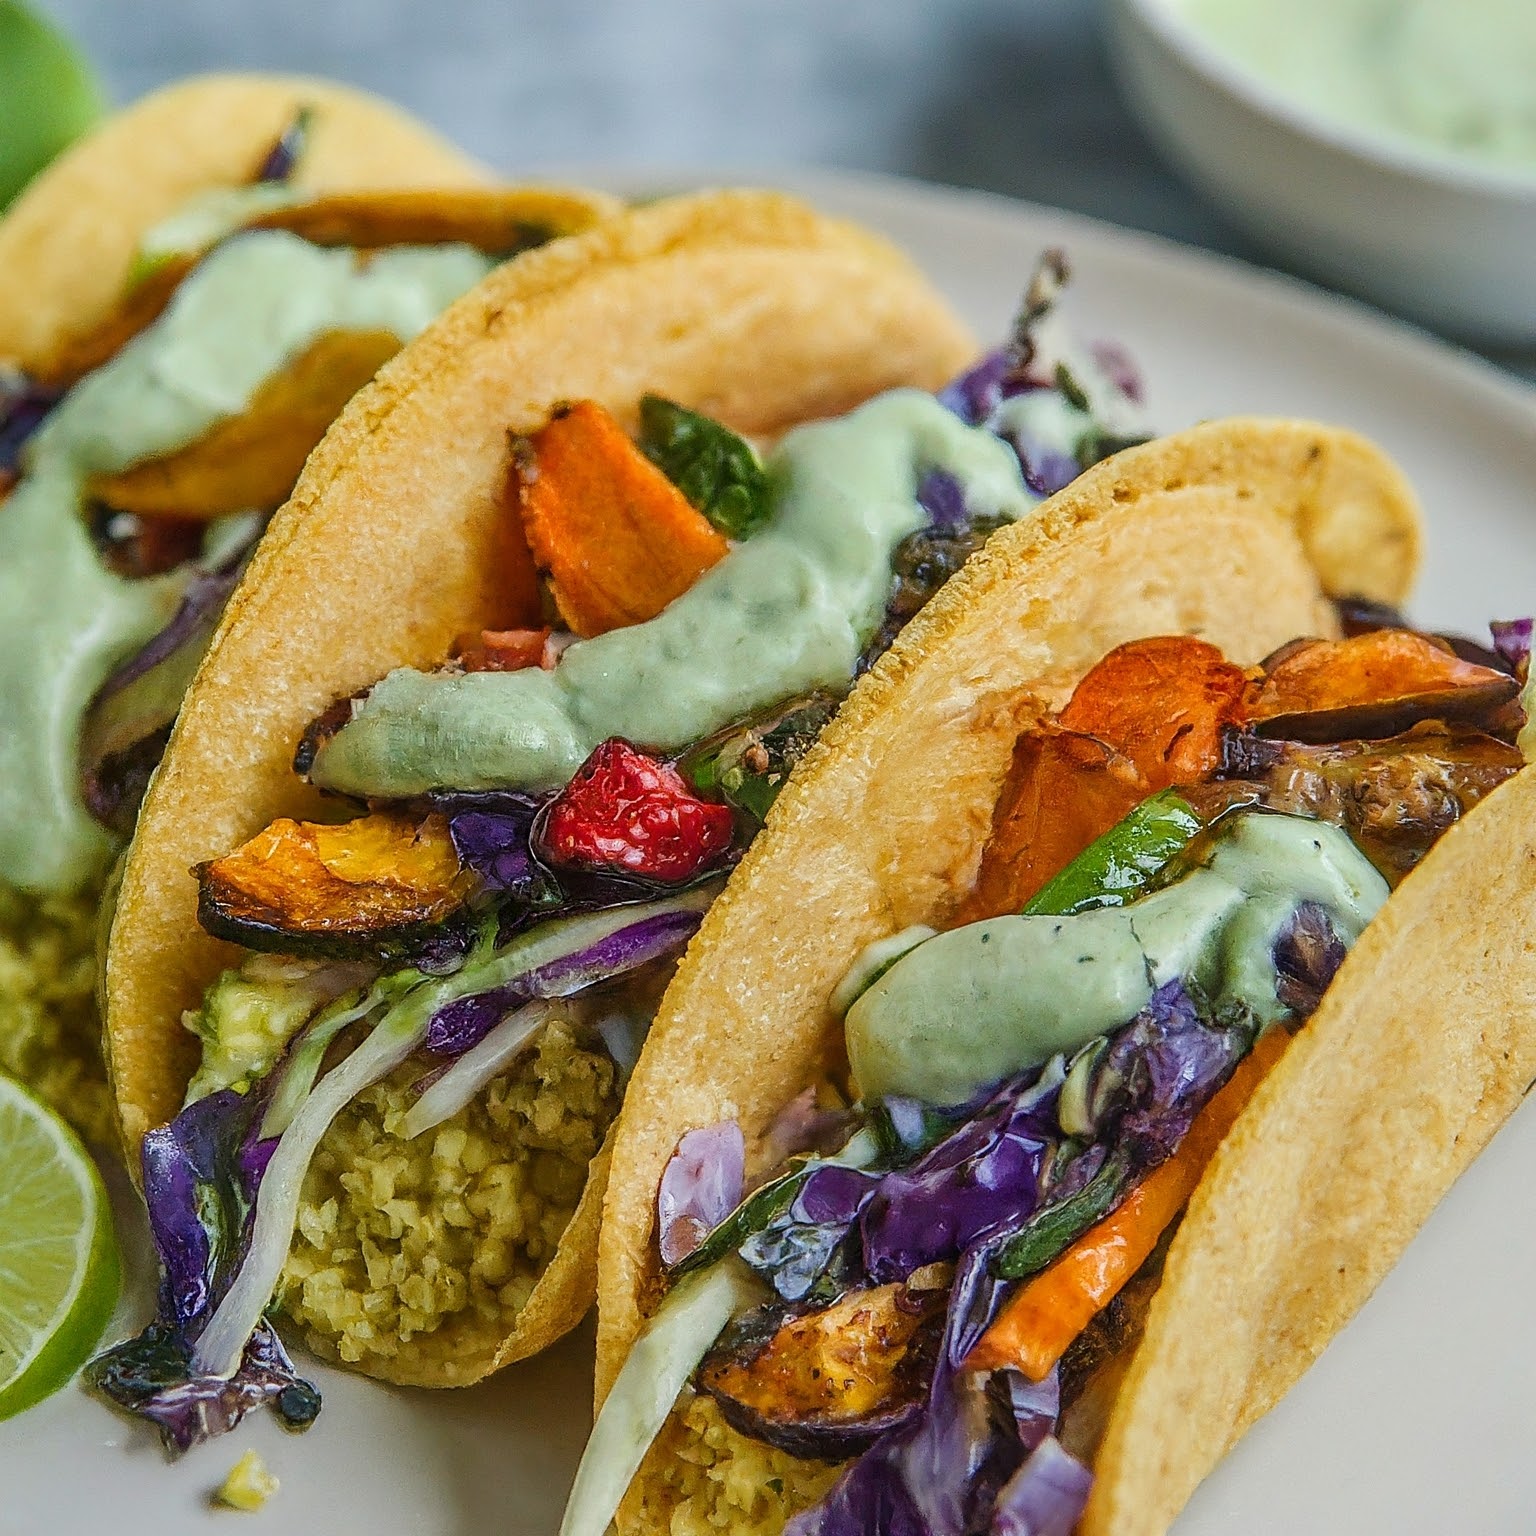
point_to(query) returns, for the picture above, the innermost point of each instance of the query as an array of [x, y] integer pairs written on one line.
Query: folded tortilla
[[1238, 532], [747, 306], [365, 176], [67, 244]]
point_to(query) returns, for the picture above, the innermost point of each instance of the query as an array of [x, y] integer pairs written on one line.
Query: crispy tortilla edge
[[67, 244]]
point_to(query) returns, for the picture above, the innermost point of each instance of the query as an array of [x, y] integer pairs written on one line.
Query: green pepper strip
[[1119, 866], [1048, 1233], [714, 468]]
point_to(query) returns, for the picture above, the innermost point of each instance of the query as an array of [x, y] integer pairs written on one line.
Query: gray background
[[1013, 96]]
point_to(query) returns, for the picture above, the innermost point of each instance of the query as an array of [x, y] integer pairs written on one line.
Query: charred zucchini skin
[[894, 1337], [383, 886], [447, 938]]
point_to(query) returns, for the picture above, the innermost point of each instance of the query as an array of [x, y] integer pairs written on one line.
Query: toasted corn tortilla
[[67, 244], [496, 220], [253, 459], [1237, 531], [746, 305]]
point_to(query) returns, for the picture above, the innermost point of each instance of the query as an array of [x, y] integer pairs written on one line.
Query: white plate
[[1420, 1416]]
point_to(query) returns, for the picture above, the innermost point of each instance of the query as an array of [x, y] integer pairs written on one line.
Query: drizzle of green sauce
[[257, 302], [783, 614], [980, 1003]]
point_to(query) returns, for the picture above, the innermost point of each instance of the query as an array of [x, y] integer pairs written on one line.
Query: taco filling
[[404, 1084], [910, 1310], [138, 467]]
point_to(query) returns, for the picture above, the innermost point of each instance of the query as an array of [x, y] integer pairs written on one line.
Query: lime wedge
[[48, 96], [58, 1257]]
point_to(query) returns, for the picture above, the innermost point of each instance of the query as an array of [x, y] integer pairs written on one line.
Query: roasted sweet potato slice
[[252, 460], [1161, 703], [615, 538], [1371, 686], [497, 220], [138, 309], [1062, 791], [829, 1383], [1150, 714], [373, 886]]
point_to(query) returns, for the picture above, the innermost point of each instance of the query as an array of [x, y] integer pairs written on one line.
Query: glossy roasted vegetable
[[714, 468], [747, 765], [828, 1384], [1393, 797], [1150, 714], [615, 538], [252, 459], [375, 887], [1372, 685]]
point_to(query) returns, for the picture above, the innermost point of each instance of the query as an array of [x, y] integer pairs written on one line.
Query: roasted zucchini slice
[[375, 887]]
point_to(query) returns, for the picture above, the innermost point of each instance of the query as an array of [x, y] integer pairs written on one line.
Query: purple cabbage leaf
[[700, 1187], [24, 406], [201, 1174], [600, 948]]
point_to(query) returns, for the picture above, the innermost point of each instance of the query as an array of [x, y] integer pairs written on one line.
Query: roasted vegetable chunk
[[368, 887], [1152, 713], [1373, 685], [827, 1384], [1393, 797], [615, 538], [253, 459]]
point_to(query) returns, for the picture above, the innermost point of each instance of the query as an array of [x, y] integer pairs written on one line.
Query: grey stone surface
[[1009, 95]]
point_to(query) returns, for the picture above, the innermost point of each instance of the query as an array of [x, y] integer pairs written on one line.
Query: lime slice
[[58, 1258], [48, 96]]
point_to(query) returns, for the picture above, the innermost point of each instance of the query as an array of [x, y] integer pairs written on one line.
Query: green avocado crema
[[254, 304], [970, 1007], [784, 613]]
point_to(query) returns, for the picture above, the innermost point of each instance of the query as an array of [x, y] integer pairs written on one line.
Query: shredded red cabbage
[[122, 739], [1512, 643], [282, 159], [701, 1186], [1045, 1496], [1161, 1070], [984, 1178], [941, 495], [24, 406], [972, 1192], [1120, 368], [201, 1174], [1308, 954], [465, 1022], [943, 1474]]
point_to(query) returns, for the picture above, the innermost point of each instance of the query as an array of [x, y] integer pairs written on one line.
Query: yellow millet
[[50, 1032], [702, 1478], [397, 1238]]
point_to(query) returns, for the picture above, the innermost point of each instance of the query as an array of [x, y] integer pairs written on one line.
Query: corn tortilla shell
[[1234, 531], [253, 459], [496, 220], [68, 242], [1422, 1048], [746, 305]]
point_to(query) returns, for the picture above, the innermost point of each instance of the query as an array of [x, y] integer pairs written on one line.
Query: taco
[[587, 634], [935, 1203], [192, 294]]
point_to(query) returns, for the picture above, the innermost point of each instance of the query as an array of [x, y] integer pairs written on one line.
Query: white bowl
[[1447, 241]]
